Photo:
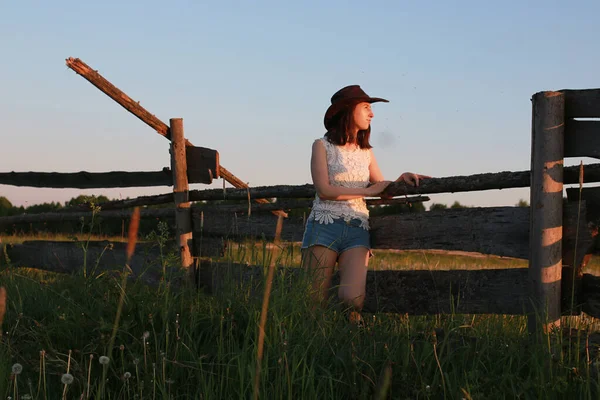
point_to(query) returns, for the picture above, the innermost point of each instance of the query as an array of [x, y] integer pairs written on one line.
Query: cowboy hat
[[349, 95]]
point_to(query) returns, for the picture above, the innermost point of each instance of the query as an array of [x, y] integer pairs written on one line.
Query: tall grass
[[177, 342]]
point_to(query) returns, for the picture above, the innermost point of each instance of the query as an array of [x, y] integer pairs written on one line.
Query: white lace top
[[347, 168]]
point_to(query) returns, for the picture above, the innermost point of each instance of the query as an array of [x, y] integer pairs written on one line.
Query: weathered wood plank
[[241, 226], [590, 295], [87, 180], [498, 291], [591, 197], [486, 181], [74, 216], [582, 103], [582, 138], [284, 204], [128, 203], [68, 257], [502, 231], [290, 204], [202, 164]]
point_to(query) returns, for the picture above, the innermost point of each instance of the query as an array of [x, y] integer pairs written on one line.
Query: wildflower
[[17, 368], [127, 375], [26, 397], [104, 360], [122, 347], [146, 335], [428, 388], [136, 361], [67, 379]]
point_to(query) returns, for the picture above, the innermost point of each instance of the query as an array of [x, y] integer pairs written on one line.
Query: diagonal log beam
[[144, 115]]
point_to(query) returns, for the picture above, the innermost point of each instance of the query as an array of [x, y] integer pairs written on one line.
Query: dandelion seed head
[[169, 381], [146, 335], [26, 397], [428, 388], [17, 368], [104, 360], [127, 375], [67, 379], [136, 361], [122, 347]]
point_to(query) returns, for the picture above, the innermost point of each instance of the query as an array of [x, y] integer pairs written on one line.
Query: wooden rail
[[87, 180], [415, 292]]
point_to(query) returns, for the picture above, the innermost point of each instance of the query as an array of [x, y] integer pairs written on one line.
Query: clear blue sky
[[253, 82]]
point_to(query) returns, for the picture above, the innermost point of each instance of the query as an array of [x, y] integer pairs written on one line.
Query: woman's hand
[[411, 179], [376, 188]]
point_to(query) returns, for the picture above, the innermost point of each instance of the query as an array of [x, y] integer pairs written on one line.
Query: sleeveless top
[[346, 168]]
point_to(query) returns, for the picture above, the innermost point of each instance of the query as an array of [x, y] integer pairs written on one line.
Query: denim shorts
[[339, 236]]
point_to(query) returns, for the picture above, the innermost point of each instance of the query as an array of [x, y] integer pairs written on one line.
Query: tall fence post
[[546, 218], [183, 216]]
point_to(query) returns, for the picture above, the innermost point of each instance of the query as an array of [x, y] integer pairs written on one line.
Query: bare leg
[[320, 261], [353, 277]]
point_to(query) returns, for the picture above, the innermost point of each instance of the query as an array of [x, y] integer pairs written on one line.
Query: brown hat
[[350, 95]]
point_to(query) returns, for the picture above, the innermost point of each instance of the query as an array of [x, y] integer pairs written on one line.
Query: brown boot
[[355, 318]]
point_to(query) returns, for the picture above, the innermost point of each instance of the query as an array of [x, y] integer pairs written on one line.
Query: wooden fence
[[558, 237]]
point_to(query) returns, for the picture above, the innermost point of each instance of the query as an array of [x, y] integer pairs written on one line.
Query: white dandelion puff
[[17, 368], [67, 379], [127, 375], [146, 335], [104, 360]]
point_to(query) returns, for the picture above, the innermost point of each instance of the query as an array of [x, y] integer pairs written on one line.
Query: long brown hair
[[340, 128]]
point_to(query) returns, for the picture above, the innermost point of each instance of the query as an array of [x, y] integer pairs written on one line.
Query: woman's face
[[363, 116]]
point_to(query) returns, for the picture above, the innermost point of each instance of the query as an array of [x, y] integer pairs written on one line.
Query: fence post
[[183, 212], [546, 211]]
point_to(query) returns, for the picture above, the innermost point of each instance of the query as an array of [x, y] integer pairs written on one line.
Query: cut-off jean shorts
[[338, 236]]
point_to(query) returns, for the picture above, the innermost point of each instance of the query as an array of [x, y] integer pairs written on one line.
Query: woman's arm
[[320, 176], [375, 174]]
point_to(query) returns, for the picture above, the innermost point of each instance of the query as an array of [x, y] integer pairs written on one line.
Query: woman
[[344, 171]]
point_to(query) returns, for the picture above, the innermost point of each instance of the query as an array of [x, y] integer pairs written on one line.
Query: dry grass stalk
[[2, 307], [263, 315]]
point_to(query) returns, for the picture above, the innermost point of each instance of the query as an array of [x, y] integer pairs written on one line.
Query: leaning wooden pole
[[183, 212], [144, 115], [546, 218]]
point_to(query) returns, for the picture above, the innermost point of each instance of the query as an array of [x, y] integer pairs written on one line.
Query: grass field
[[163, 342]]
